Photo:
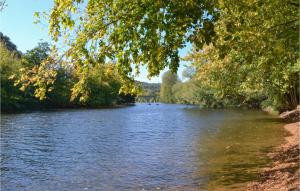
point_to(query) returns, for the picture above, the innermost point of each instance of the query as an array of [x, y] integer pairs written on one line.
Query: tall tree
[[169, 79]]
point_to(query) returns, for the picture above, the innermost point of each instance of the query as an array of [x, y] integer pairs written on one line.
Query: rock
[[291, 116]]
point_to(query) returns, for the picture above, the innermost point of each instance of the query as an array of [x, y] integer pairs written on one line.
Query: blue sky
[[16, 22]]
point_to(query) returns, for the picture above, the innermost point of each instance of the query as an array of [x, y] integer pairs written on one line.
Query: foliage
[[169, 79], [184, 92], [37, 79], [11, 97], [245, 52], [36, 75], [259, 43], [37, 55], [102, 84], [129, 33]]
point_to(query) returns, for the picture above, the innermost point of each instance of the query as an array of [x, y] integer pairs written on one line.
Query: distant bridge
[[147, 98]]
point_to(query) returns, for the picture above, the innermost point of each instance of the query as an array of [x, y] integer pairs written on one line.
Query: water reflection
[[146, 147]]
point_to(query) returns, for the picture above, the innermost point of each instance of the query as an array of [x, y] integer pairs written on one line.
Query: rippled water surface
[[150, 147]]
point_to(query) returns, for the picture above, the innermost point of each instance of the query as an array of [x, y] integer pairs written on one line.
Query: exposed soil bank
[[284, 173]]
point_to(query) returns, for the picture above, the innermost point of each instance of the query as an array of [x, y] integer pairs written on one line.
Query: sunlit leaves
[[257, 52], [241, 47], [130, 32], [41, 77]]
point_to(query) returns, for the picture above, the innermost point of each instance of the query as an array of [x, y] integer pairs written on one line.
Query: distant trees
[[169, 79]]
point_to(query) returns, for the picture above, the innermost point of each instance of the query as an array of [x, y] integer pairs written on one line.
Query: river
[[142, 147]]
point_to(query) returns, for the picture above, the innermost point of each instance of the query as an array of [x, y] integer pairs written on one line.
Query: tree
[[24, 77], [9, 65], [132, 32], [169, 79], [253, 39], [256, 54], [129, 33], [97, 85], [38, 54], [38, 72], [12, 98]]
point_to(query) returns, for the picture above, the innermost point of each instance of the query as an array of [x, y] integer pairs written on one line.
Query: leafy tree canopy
[[253, 38], [25, 77], [257, 52], [130, 33], [36, 55]]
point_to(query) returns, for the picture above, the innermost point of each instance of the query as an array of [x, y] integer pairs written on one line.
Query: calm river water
[[143, 147]]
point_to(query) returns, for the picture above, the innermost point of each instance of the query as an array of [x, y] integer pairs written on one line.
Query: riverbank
[[284, 173], [27, 110]]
